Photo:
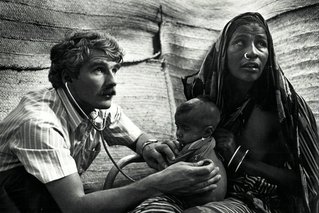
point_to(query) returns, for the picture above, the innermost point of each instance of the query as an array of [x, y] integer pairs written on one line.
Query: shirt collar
[[75, 118]]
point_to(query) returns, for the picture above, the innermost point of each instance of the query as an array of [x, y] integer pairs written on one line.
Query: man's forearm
[[181, 177], [69, 195], [119, 199]]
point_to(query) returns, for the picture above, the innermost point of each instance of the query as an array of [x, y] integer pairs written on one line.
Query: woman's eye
[[262, 43], [239, 42]]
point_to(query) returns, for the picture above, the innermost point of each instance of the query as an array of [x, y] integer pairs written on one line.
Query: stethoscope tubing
[[100, 131]]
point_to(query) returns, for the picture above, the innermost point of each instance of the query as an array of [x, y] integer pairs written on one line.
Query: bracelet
[[241, 161], [237, 159], [148, 142], [232, 157]]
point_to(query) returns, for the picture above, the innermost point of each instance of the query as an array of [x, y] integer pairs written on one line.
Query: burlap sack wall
[[181, 30]]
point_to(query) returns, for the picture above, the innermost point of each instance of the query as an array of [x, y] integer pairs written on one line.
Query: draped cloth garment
[[296, 119]]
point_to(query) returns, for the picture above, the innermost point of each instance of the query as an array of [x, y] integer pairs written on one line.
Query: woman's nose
[[251, 51]]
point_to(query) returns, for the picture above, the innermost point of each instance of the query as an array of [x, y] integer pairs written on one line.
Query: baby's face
[[187, 129]]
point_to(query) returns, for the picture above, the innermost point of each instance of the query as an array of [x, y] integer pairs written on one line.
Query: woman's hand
[[158, 154], [225, 143], [188, 178]]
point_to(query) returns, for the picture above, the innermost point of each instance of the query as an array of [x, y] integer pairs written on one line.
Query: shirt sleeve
[[43, 151], [120, 129]]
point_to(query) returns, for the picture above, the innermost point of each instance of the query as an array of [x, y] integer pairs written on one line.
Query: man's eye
[[99, 71], [114, 70]]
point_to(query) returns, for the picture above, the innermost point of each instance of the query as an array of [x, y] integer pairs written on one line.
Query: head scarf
[[297, 121]]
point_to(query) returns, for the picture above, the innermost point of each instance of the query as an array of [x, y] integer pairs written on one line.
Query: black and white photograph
[[159, 106]]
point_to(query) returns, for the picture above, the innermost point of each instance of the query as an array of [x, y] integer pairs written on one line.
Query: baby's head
[[196, 118]]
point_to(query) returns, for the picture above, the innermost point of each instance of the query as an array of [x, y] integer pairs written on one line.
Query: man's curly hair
[[71, 54]]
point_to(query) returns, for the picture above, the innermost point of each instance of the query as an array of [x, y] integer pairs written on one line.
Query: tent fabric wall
[[181, 30], [295, 34], [32, 27]]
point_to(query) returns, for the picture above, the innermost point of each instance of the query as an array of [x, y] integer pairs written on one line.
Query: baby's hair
[[208, 114]]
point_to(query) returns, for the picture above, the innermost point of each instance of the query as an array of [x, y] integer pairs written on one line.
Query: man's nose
[[109, 80]]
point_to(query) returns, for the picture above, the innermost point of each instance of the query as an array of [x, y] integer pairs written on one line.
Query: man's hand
[[225, 143], [158, 154], [185, 178]]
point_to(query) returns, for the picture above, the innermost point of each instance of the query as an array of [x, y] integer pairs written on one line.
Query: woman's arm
[[286, 179]]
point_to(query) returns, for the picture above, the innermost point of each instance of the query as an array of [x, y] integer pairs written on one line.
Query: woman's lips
[[250, 66]]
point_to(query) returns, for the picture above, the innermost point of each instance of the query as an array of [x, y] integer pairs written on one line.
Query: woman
[[267, 135]]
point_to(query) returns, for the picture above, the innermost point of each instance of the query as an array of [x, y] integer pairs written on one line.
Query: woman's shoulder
[[262, 134], [267, 119]]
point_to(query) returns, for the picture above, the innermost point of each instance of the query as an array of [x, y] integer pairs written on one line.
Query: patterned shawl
[[296, 118]]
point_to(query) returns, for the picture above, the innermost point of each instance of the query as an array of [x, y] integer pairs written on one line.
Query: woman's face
[[247, 52]]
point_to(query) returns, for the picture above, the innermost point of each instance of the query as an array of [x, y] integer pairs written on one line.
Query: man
[[54, 134]]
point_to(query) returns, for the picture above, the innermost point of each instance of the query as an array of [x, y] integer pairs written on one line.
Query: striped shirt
[[47, 136]]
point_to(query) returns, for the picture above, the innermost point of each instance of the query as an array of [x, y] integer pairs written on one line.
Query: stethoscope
[[99, 129]]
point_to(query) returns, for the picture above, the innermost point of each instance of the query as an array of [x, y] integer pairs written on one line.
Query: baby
[[196, 121]]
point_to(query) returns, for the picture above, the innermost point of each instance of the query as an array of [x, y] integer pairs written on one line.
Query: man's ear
[[208, 131], [66, 77]]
